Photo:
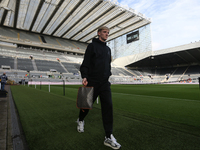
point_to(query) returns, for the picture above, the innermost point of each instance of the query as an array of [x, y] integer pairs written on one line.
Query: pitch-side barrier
[[52, 83], [35, 83], [40, 83]]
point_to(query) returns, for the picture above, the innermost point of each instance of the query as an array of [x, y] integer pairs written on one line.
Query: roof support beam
[[120, 29], [51, 17], [81, 18], [4, 17], [66, 17], [112, 36], [36, 14], [16, 13], [91, 22], [101, 24]]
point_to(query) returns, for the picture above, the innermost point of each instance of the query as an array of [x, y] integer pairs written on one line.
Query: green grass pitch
[[146, 117]]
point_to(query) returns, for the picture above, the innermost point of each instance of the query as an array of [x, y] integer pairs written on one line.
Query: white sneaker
[[80, 126], [112, 142]]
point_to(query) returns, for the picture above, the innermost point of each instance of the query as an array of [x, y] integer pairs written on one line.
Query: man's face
[[103, 35]]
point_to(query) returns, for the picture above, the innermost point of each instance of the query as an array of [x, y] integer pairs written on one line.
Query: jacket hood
[[98, 41]]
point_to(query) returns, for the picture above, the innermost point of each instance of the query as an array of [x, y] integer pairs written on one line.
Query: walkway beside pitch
[[11, 136], [5, 123]]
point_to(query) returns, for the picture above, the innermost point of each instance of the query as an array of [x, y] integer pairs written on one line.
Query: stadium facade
[[121, 48]]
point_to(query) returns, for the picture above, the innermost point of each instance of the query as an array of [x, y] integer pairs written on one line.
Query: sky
[[174, 22]]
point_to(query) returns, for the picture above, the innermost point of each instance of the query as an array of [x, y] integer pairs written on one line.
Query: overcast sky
[[174, 22]]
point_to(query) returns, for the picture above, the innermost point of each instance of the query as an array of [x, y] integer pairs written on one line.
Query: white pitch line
[[151, 96], [157, 97]]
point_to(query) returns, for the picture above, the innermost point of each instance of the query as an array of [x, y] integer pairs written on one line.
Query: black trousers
[[102, 89]]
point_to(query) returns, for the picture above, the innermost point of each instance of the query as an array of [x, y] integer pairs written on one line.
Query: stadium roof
[[176, 56], [71, 19]]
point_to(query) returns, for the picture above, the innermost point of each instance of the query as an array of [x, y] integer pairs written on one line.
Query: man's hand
[[84, 82]]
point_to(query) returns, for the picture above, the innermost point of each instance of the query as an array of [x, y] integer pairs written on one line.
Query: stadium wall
[[124, 61], [120, 48]]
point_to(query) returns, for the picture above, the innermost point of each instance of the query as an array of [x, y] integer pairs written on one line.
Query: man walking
[[3, 81], [95, 71]]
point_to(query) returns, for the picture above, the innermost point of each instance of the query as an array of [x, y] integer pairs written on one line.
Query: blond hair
[[102, 28]]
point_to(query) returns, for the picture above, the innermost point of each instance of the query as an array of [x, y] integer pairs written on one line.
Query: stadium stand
[[125, 72], [8, 33], [7, 61], [79, 45], [146, 72], [38, 74], [18, 62], [27, 36], [117, 72], [136, 72], [168, 74], [44, 65], [193, 70], [71, 67], [180, 70], [24, 64], [50, 40], [29, 39], [48, 64], [66, 43], [164, 71], [47, 60], [173, 78]]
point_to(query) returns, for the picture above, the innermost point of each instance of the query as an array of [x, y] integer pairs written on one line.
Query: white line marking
[[147, 96], [158, 97]]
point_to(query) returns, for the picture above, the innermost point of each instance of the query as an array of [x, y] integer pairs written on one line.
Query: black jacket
[[3, 78], [96, 64]]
